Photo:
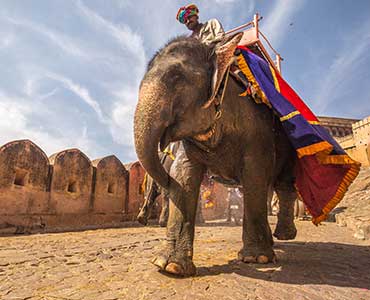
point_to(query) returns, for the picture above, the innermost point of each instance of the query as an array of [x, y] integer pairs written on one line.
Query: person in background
[[235, 206], [208, 32]]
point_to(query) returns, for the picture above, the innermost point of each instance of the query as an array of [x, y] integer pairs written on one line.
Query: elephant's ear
[[224, 57]]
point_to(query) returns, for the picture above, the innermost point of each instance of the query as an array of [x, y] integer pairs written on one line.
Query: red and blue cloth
[[323, 171]]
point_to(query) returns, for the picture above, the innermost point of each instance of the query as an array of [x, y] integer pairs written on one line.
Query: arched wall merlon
[[111, 185], [27, 156], [24, 171], [71, 183], [136, 197]]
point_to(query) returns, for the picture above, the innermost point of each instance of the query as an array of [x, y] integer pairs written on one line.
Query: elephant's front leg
[[177, 257], [257, 237]]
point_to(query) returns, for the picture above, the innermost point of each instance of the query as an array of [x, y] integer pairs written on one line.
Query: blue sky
[[70, 70]]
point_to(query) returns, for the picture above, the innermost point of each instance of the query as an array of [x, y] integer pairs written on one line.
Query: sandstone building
[[352, 134]]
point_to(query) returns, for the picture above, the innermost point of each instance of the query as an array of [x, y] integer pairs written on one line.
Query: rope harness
[[218, 107]]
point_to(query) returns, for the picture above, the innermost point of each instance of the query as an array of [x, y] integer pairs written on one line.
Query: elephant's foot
[[258, 257], [284, 231], [182, 267], [142, 218]]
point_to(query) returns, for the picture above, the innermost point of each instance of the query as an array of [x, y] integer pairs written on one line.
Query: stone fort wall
[[352, 134], [65, 190], [357, 144], [68, 191]]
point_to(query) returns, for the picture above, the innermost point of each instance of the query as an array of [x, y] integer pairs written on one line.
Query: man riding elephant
[[187, 95], [208, 32]]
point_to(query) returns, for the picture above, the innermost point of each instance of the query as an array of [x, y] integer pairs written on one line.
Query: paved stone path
[[324, 262]]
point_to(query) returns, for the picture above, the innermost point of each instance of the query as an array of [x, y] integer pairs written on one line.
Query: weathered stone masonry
[[66, 190]]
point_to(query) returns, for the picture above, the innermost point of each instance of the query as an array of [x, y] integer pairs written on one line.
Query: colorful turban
[[187, 11]]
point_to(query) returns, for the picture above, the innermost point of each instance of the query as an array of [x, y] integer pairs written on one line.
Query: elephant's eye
[[174, 74], [174, 78]]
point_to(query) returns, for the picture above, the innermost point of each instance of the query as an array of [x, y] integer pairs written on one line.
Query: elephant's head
[[176, 95]]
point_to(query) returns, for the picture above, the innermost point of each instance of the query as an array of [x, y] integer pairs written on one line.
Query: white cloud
[[104, 53], [32, 85], [333, 81], [251, 6], [122, 3], [60, 40], [29, 87], [224, 1], [275, 24], [48, 94], [12, 113], [81, 92], [15, 125], [123, 115], [122, 33], [231, 13], [125, 94], [6, 40]]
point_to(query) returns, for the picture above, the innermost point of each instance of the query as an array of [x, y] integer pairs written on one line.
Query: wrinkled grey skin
[[248, 146], [153, 190]]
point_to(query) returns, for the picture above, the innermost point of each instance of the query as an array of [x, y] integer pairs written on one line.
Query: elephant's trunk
[[152, 117]]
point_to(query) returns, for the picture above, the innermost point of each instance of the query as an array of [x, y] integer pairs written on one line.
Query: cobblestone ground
[[324, 262]]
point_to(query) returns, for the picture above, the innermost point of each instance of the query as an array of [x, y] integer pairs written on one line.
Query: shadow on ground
[[341, 265]]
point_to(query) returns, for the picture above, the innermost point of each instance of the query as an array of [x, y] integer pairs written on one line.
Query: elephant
[[186, 95]]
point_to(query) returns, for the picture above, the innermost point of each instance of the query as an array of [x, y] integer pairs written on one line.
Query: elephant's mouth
[[167, 136], [206, 135]]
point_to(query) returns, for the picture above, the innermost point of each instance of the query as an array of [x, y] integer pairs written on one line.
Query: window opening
[[21, 177], [111, 187], [72, 187]]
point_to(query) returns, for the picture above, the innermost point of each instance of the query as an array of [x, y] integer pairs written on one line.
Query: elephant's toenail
[[262, 259], [174, 268], [160, 262]]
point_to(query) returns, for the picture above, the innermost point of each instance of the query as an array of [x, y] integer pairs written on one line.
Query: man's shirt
[[210, 32]]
